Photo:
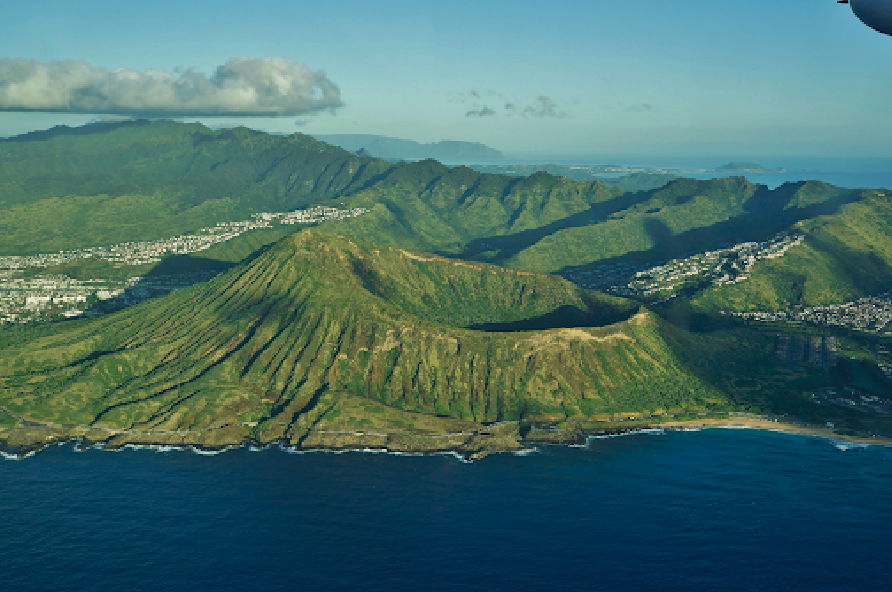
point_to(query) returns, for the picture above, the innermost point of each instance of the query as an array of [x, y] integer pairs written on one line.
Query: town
[[871, 314], [665, 279], [852, 398], [48, 296], [139, 253]]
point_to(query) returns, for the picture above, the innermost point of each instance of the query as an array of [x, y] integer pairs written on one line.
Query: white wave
[[461, 458], [843, 445], [78, 446], [203, 452], [153, 447], [645, 431], [527, 451]]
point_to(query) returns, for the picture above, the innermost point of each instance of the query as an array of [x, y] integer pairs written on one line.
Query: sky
[[564, 77]]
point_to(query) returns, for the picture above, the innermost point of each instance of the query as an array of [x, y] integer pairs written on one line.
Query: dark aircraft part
[[876, 14]]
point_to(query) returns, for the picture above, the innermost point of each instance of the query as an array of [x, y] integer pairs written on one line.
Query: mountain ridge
[[399, 149]]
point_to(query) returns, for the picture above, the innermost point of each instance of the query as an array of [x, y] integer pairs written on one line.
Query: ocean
[[717, 509]]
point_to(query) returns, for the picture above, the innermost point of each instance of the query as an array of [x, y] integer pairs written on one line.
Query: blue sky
[[566, 77]]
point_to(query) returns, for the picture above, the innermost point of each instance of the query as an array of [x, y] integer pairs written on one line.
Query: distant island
[[399, 149], [745, 167]]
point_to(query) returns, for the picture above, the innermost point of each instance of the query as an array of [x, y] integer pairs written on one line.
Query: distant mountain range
[[395, 148]]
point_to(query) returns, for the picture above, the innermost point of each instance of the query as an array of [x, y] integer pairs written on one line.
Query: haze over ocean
[[716, 509], [851, 172]]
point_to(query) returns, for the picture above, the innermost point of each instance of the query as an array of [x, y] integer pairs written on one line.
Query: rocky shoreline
[[23, 441]]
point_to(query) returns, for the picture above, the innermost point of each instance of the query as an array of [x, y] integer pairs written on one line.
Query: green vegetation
[[349, 326], [99, 185], [317, 314]]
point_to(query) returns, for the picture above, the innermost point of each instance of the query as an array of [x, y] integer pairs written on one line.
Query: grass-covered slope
[[429, 206], [548, 224], [280, 338], [72, 188]]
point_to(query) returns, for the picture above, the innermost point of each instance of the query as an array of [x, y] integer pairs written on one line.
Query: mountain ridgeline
[[98, 185], [395, 148], [135, 181]]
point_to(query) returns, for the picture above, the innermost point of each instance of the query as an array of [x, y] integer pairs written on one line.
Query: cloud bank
[[241, 87]]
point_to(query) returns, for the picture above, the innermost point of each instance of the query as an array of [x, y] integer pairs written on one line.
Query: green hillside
[[73, 188], [547, 223], [318, 316]]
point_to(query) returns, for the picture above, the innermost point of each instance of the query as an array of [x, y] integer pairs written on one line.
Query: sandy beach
[[778, 426]]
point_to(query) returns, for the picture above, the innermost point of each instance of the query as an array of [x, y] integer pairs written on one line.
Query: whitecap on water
[[646, 431], [7, 456], [203, 452], [842, 445], [526, 451]]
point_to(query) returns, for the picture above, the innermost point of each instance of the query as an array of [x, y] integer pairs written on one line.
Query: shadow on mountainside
[[510, 245], [563, 317], [767, 212], [765, 216], [170, 274]]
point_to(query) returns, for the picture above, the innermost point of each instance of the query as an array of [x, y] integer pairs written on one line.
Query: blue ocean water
[[710, 510]]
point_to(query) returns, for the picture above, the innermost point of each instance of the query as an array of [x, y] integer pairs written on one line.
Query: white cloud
[[481, 112], [545, 107], [241, 87]]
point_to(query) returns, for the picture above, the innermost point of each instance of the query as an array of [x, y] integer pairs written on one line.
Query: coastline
[[756, 423], [791, 428], [21, 442], [26, 440]]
